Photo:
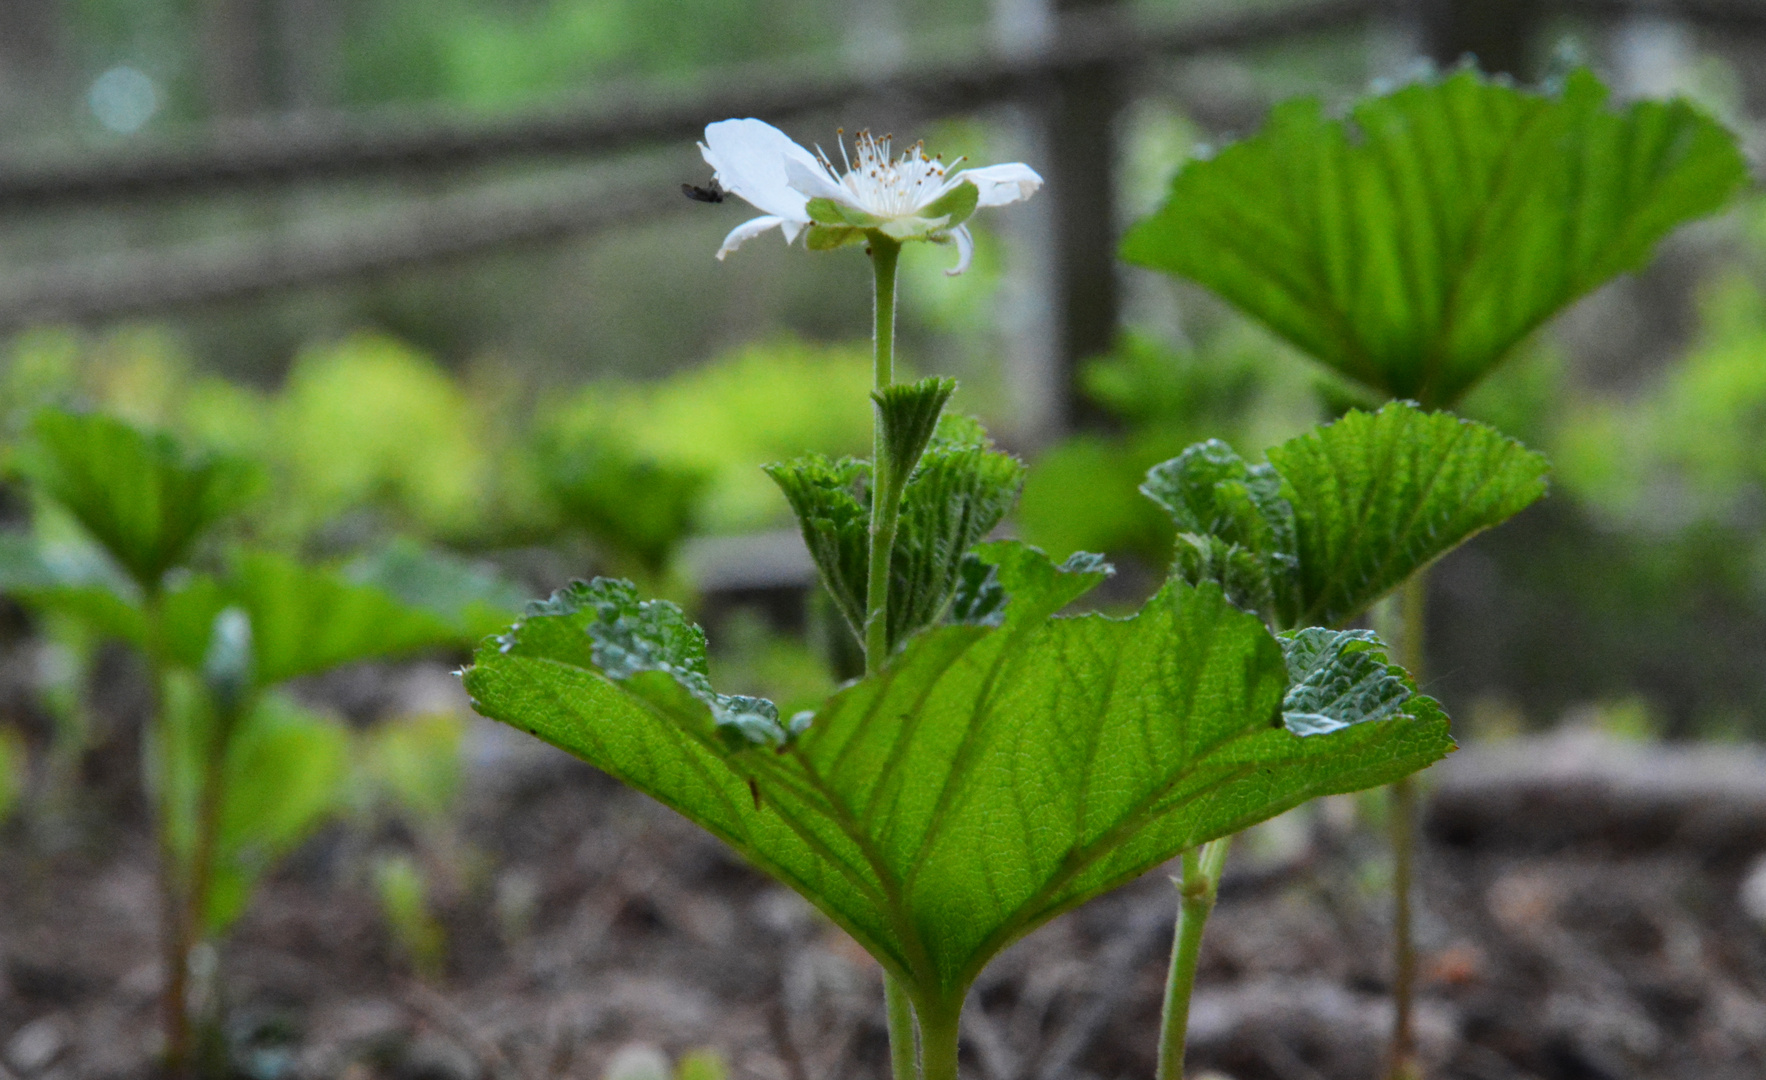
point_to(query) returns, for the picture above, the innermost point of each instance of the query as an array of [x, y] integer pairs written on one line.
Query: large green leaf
[[472, 598], [1362, 504], [146, 499], [1413, 246], [987, 779], [74, 580]]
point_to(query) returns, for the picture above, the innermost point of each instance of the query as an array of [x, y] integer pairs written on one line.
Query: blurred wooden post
[[1080, 119], [1499, 33]]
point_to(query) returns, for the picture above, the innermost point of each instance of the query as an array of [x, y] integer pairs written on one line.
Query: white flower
[[912, 197]]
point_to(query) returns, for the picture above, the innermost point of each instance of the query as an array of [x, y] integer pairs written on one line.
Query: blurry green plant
[[14, 760], [637, 510], [997, 764], [1351, 240], [1083, 494], [726, 419], [239, 774], [411, 772]]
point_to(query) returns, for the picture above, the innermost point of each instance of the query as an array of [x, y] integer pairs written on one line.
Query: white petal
[[813, 182], [1002, 184], [749, 158], [752, 228], [965, 249]]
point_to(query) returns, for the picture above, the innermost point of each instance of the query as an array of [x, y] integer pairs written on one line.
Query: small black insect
[[712, 192]]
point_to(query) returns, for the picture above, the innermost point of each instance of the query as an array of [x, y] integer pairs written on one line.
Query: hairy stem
[[885, 485], [885, 514], [1413, 611], [904, 1051], [938, 1042], [1196, 891]]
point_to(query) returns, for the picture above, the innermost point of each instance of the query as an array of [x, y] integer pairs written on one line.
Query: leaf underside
[[1413, 246], [989, 777]]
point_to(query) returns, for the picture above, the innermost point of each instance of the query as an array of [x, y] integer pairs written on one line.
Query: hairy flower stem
[[885, 515], [1413, 604], [885, 485], [1196, 891]]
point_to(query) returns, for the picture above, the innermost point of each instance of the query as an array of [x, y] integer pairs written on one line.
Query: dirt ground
[[1581, 919]]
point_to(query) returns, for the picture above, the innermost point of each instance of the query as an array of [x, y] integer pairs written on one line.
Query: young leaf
[[959, 492], [1377, 496], [283, 774], [987, 779], [910, 414], [1337, 678], [142, 496], [1414, 245], [1362, 504]]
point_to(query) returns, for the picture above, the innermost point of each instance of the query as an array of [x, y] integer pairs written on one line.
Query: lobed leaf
[[1412, 246], [987, 779], [1342, 514], [142, 496]]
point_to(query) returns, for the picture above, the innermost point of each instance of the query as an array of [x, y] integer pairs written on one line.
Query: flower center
[[885, 187]]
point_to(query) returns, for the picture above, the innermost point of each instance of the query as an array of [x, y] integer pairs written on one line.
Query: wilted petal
[[752, 228], [749, 156], [1002, 184], [965, 249]]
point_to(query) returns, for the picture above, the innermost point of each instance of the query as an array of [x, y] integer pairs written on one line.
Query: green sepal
[[823, 211], [829, 237], [954, 206], [910, 413]]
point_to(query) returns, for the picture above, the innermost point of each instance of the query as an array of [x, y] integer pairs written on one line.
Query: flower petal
[[752, 228], [1003, 184], [749, 156], [813, 182], [965, 249]]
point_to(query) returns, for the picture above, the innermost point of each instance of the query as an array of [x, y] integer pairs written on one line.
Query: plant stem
[[938, 1042], [904, 1053], [1196, 891], [885, 514], [1413, 611], [885, 485], [175, 929]]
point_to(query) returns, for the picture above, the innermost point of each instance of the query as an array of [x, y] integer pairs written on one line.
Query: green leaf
[[304, 619], [282, 774], [989, 778], [1337, 678], [1378, 496], [636, 506], [143, 497], [959, 492], [285, 775], [76, 581], [14, 758], [474, 600], [1413, 246], [1362, 504], [910, 413], [1234, 527]]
